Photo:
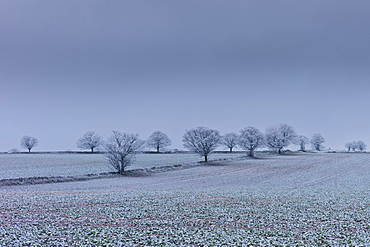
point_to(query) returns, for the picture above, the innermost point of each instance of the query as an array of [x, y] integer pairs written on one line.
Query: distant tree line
[[120, 147], [355, 145]]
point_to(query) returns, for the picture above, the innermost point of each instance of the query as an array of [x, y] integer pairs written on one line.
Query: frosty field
[[71, 164], [289, 200]]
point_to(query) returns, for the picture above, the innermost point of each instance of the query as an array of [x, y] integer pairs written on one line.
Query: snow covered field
[[289, 200], [64, 164]]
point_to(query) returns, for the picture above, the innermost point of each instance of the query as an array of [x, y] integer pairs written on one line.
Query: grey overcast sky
[[138, 66]]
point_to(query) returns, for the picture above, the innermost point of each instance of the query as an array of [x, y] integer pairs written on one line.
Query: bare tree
[[351, 146], [348, 145], [278, 137], [361, 146], [302, 141], [29, 142], [120, 149], [89, 140], [201, 140], [251, 138], [230, 140], [354, 146], [158, 140], [317, 140]]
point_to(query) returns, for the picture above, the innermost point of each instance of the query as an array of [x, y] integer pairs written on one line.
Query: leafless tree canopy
[[317, 140], [351, 146], [89, 140], [278, 137], [158, 140], [201, 140], [302, 141], [29, 142], [251, 138], [120, 149], [230, 140], [360, 145]]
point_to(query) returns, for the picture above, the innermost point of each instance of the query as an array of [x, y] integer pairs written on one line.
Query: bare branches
[[201, 140], [158, 140], [317, 140], [302, 140], [120, 148], [360, 145], [251, 138], [278, 137], [29, 142], [230, 140], [89, 140]]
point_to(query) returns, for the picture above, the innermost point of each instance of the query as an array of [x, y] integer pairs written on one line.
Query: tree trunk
[[29, 150], [205, 158], [251, 153], [92, 150], [121, 167], [280, 150], [231, 150], [157, 149]]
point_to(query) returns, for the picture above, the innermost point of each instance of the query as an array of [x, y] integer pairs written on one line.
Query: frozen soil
[[288, 200], [43, 165]]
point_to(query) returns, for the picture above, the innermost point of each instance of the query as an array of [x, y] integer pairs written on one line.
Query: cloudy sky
[[69, 66]]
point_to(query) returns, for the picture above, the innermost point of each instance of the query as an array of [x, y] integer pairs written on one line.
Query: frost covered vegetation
[[64, 164], [304, 200]]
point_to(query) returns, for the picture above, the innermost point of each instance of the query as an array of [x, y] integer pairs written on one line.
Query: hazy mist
[[67, 67]]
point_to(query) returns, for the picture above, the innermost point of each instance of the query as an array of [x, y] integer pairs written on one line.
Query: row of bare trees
[[90, 140], [120, 147], [276, 138], [250, 138], [355, 145], [203, 141]]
